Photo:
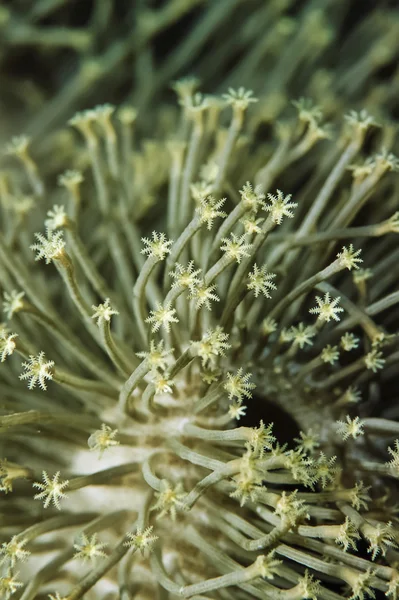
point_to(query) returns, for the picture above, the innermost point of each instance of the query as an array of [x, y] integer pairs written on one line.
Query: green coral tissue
[[199, 218]]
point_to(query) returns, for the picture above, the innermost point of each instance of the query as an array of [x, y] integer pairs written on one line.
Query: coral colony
[[177, 278]]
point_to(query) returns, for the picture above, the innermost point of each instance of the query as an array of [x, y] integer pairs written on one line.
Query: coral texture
[[199, 348]]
